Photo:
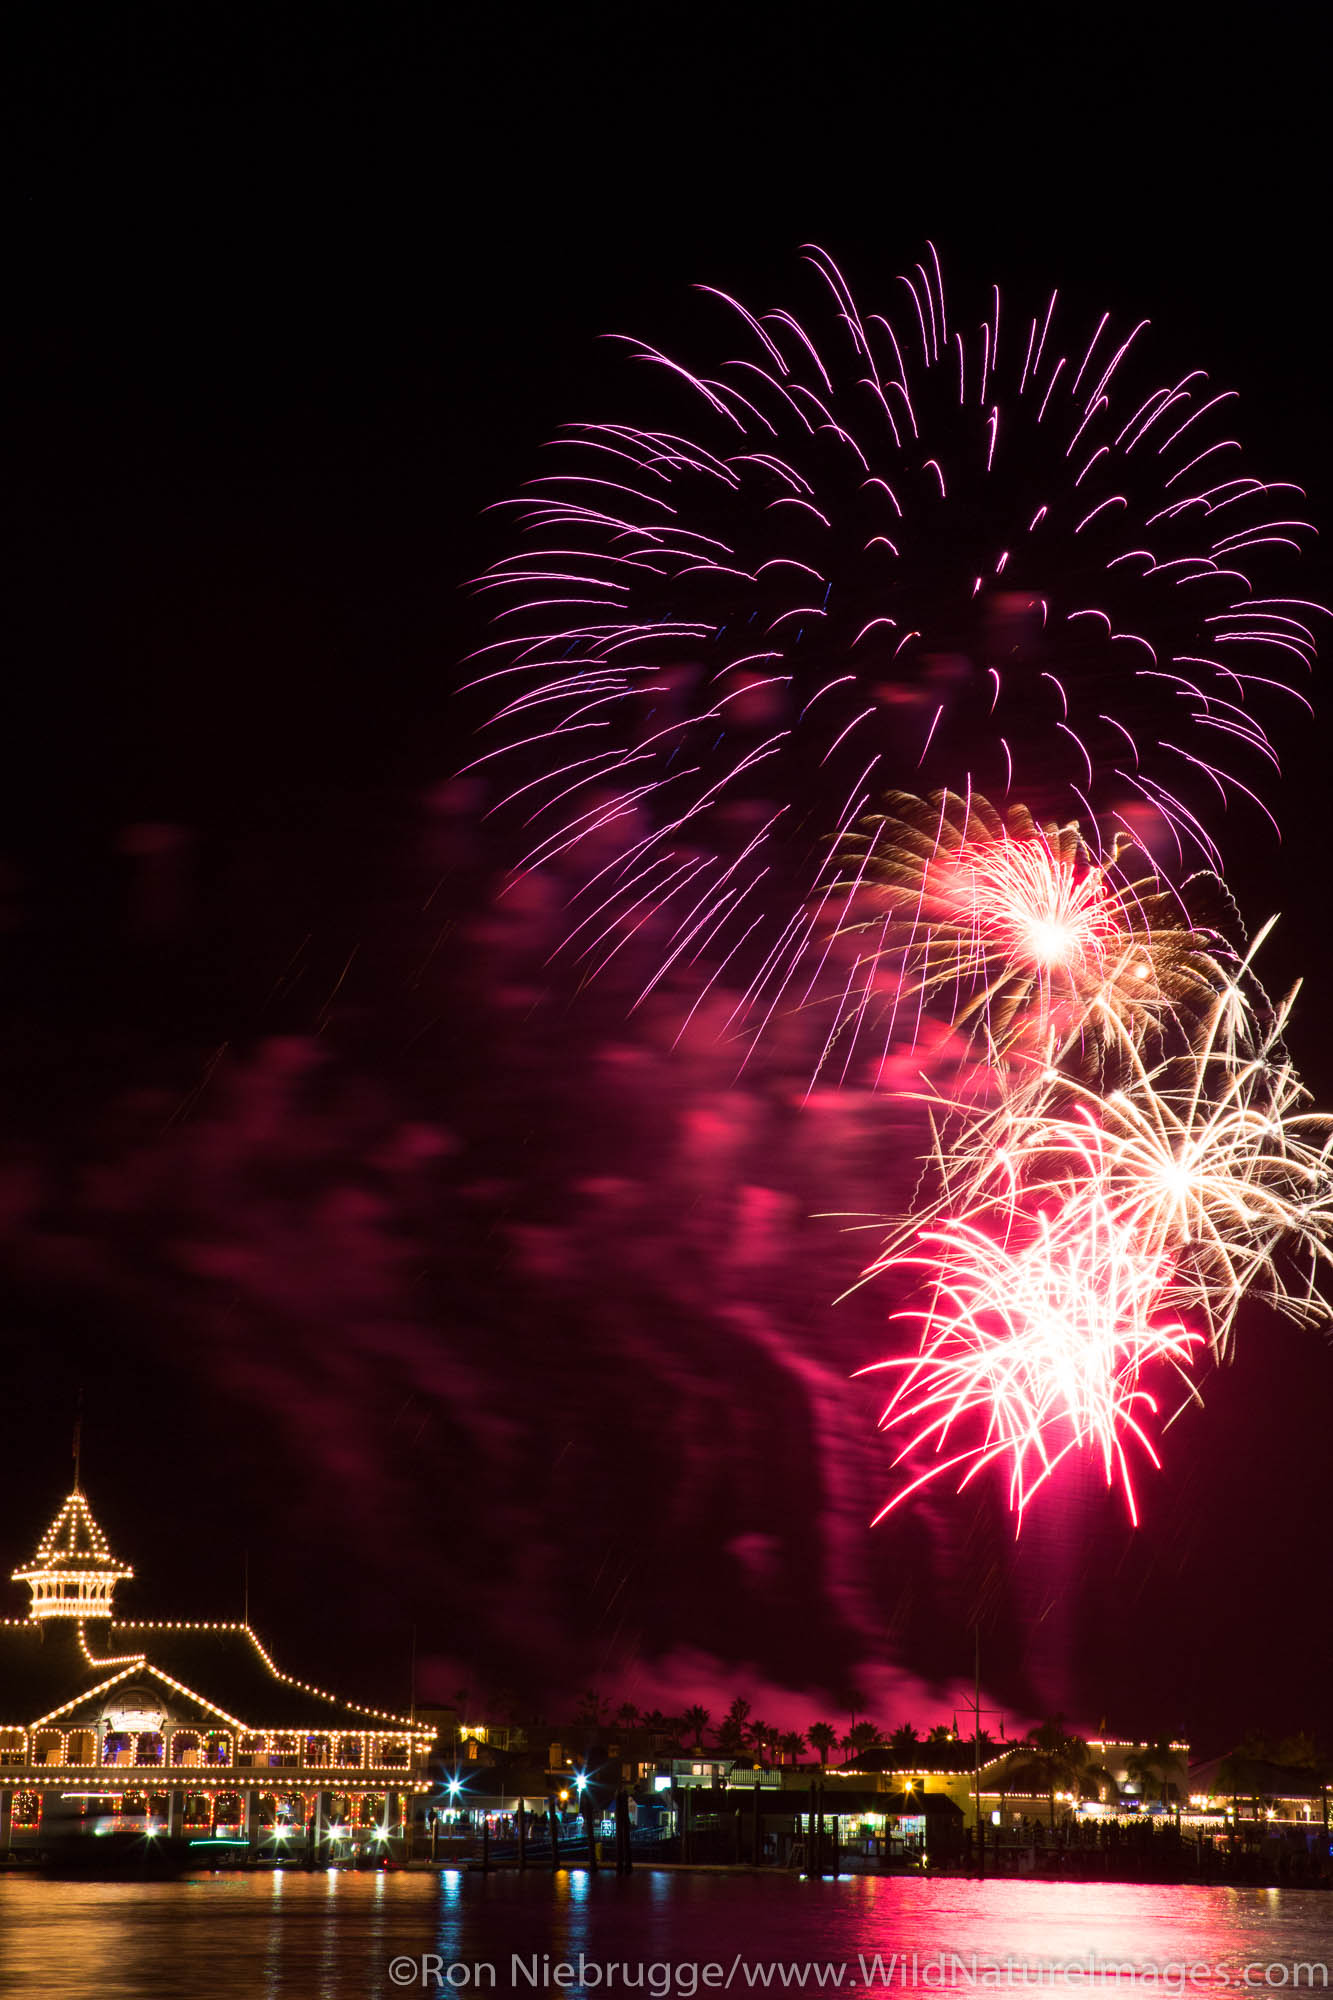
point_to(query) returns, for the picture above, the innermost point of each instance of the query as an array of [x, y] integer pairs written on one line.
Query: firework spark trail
[[1072, 1226], [715, 618], [1011, 927], [827, 554], [1035, 1344], [1210, 1157]]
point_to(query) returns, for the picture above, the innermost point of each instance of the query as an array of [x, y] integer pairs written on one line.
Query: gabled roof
[[231, 1668], [224, 1669], [39, 1672], [919, 1759]]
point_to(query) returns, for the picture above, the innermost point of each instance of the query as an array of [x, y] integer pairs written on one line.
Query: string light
[[73, 1574], [74, 1554]]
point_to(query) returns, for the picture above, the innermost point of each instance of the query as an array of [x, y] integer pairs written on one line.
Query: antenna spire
[[78, 1441]]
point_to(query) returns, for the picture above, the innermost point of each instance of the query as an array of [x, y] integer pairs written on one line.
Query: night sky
[[435, 1293]]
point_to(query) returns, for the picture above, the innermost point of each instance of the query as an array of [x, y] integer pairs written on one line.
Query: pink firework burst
[[1013, 926], [1032, 906], [1033, 1345]]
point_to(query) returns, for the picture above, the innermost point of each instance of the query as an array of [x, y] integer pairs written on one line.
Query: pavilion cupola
[[73, 1574]]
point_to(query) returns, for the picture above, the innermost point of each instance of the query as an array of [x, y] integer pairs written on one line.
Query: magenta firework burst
[[905, 542]]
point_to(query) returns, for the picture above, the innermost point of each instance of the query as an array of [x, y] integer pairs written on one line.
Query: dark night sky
[[376, 1256]]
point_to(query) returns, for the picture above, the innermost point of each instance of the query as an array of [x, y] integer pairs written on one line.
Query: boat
[[116, 1857]]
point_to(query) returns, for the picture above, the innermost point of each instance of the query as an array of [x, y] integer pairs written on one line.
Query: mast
[[976, 1738]]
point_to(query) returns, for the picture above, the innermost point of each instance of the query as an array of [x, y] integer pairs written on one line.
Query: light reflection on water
[[289, 1936]]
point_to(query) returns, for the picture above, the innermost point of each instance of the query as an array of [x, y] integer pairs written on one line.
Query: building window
[[148, 1747], [349, 1752]]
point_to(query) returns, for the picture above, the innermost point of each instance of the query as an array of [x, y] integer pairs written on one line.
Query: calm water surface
[[266, 1936]]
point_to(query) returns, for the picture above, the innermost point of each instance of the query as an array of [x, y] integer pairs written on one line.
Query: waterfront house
[[182, 1727]]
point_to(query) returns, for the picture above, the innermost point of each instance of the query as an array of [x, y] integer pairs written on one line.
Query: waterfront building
[[1258, 1799], [703, 1768], [182, 1727], [1119, 1778]]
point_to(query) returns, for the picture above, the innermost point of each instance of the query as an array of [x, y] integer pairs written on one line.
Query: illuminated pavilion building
[[182, 1728]]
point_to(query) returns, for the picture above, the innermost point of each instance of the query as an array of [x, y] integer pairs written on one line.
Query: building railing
[[768, 1777]]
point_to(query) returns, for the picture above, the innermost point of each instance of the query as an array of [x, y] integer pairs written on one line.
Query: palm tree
[[697, 1719], [1097, 1780], [904, 1740], [758, 1733], [592, 1706], [1300, 1751], [823, 1736], [1061, 1759], [941, 1733], [791, 1745], [861, 1736], [627, 1715], [731, 1733], [1150, 1766]]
